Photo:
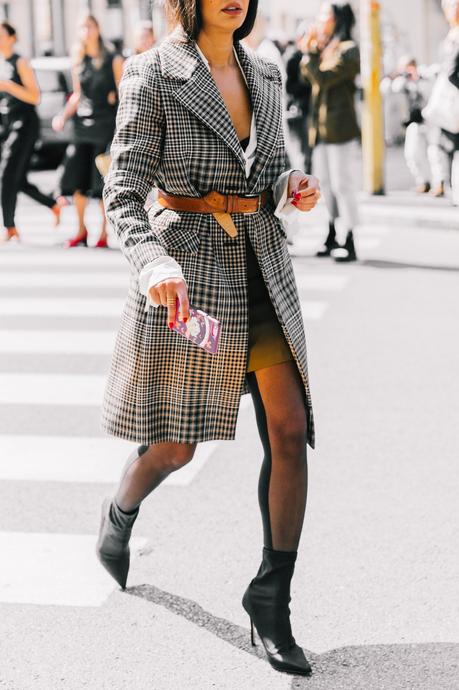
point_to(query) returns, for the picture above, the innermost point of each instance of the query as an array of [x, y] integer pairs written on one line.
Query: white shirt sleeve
[[162, 268], [284, 208]]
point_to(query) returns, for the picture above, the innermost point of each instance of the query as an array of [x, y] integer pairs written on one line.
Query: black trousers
[[17, 148]]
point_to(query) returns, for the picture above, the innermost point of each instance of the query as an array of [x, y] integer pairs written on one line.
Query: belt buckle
[[253, 196]]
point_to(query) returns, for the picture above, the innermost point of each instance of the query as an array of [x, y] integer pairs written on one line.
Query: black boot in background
[[113, 543], [330, 242], [347, 251], [266, 600]]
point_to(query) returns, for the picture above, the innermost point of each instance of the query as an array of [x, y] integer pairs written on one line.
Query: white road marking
[[80, 459], [61, 257], [313, 311], [309, 246], [57, 342], [34, 279], [69, 306], [51, 389], [54, 569], [318, 282]]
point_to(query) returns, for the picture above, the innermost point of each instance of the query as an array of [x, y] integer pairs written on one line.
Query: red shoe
[[78, 241], [101, 244], [11, 234]]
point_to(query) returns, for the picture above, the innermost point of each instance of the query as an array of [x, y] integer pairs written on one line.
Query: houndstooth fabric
[[174, 131]]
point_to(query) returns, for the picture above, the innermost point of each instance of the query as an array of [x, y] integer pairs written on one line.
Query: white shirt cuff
[[162, 268], [284, 208]]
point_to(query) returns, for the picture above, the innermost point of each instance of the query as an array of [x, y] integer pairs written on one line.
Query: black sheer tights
[[281, 418], [146, 468], [280, 409]]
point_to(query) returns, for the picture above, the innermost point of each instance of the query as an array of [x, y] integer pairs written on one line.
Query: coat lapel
[[197, 90], [265, 90]]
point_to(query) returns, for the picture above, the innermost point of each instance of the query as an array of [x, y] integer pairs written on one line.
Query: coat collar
[[196, 90]]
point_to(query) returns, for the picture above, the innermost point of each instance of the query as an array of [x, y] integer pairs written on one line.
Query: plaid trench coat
[[174, 132]]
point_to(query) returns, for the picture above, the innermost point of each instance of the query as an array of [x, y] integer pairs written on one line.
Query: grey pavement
[[374, 600]]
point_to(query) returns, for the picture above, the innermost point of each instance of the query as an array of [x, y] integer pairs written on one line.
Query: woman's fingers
[[173, 295], [184, 305], [171, 304]]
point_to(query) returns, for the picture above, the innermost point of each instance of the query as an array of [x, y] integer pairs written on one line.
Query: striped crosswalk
[[57, 306]]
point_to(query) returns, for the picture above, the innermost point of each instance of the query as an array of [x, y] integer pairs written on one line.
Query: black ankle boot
[[266, 600], [112, 547], [330, 243], [347, 251], [113, 543]]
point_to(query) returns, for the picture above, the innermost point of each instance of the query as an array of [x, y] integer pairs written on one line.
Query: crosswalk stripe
[[327, 282], [309, 245], [313, 311], [51, 389], [70, 306], [57, 342], [81, 459], [69, 279], [75, 257], [54, 569]]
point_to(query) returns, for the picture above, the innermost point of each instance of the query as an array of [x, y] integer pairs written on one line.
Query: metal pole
[[57, 13], [372, 115]]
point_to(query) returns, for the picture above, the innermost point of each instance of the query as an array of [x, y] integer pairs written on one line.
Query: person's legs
[[279, 400], [97, 185], [147, 468], [81, 201], [321, 169], [282, 424], [343, 179], [11, 171], [416, 154]]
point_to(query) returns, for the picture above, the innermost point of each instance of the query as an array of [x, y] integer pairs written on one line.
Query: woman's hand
[[304, 190], [58, 123], [167, 293], [310, 41]]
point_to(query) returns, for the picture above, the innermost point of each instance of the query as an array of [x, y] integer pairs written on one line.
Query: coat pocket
[[175, 229]]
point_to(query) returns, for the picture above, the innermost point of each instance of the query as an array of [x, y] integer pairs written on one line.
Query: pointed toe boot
[[113, 543], [266, 600]]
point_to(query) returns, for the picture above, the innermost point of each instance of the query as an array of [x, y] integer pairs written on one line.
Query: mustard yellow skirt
[[267, 343]]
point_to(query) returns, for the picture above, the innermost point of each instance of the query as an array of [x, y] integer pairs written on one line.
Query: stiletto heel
[[252, 638], [266, 600], [78, 241]]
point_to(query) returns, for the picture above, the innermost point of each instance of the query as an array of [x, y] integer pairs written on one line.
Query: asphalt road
[[375, 602]]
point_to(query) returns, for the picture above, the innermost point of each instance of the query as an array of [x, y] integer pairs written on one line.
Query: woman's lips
[[233, 11]]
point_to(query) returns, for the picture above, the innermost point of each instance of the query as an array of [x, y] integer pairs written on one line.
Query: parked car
[[54, 76]]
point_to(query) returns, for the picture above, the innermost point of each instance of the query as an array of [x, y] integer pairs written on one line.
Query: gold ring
[[171, 302]]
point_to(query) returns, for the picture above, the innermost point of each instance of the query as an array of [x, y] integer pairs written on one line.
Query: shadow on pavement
[[377, 263], [433, 666]]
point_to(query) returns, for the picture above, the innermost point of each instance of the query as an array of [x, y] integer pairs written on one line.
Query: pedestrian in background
[[331, 63], [20, 130], [97, 70], [201, 118], [442, 111], [144, 38], [298, 103], [417, 88]]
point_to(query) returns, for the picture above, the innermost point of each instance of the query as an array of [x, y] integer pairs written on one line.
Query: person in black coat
[[298, 102]]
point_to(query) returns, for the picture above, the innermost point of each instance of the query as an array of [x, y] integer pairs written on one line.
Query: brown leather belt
[[214, 202]]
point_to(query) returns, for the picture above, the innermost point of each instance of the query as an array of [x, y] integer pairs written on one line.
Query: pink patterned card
[[201, 329]]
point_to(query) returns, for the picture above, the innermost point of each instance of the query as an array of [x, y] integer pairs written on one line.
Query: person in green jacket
[[331, 62]]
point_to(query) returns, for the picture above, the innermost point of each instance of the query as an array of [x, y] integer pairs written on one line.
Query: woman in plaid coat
[[201, 119]]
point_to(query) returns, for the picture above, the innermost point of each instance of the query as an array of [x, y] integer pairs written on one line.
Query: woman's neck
[[218, 49], [7, 53], [92, 49]]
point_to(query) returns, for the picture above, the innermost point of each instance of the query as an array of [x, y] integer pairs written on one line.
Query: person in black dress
[[93, 105], [20, 128]]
